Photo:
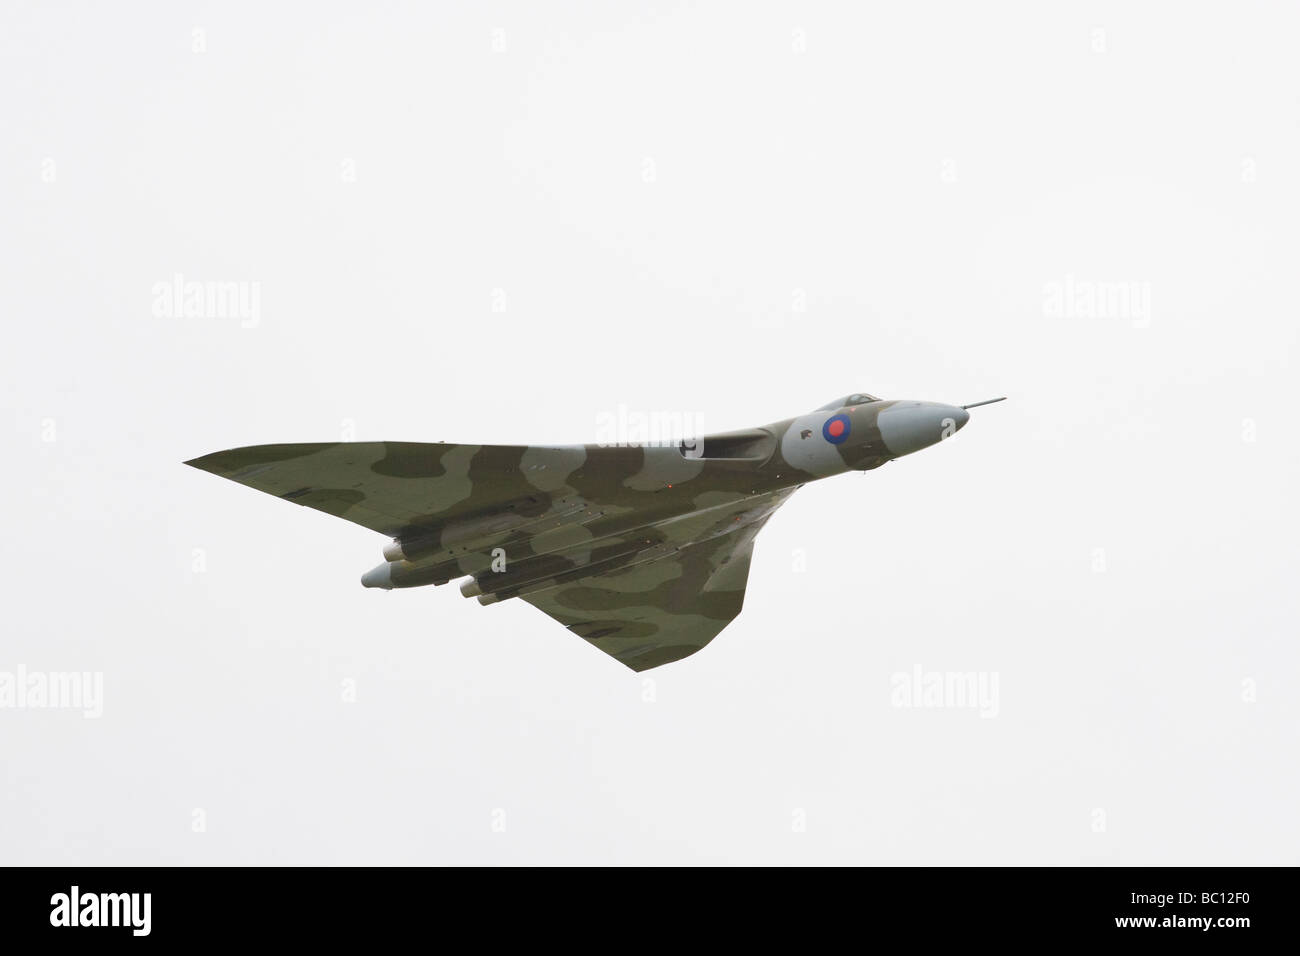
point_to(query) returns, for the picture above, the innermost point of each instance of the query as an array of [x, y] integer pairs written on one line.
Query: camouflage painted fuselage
[[642, 550]]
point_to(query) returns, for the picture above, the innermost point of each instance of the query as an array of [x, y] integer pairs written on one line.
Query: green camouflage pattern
[[643, 551]]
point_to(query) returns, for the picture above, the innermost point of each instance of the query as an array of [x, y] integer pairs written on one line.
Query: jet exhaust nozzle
[[380, 576]]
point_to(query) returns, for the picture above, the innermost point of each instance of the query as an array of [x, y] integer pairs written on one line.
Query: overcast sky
[[499, 223]]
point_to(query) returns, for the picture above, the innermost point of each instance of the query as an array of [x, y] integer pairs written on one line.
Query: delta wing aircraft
[[642, 551]]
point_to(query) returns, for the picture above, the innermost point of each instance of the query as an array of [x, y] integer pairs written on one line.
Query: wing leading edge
[[393, 487]]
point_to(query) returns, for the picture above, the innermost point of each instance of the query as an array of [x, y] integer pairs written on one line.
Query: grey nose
[[910, 426]]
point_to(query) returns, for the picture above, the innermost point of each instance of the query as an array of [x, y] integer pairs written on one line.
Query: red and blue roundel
[[836, 429]]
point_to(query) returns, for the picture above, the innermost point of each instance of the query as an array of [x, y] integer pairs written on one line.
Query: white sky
[[733, 213]]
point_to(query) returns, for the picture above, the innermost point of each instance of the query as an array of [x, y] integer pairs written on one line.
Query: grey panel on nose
[[911, 426]]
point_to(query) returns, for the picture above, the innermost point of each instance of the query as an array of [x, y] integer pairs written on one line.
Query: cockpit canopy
[[857, 398]]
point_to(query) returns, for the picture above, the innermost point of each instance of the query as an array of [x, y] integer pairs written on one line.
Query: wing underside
[[395, 487], [674, 599], [588, 541], [658, 611]]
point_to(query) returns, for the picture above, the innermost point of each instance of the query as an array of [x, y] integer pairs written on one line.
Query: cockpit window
[[857, 398]]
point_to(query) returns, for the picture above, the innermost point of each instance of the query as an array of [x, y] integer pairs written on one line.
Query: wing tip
[[206, 462]]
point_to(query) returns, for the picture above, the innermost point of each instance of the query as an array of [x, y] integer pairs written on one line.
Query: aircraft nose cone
[[910, 426]]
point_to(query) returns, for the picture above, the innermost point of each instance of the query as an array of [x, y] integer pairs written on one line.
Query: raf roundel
[[836, 429]]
